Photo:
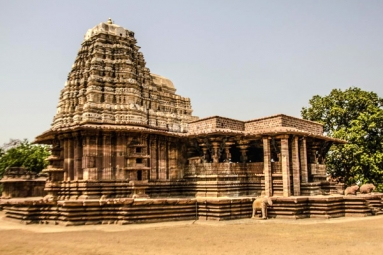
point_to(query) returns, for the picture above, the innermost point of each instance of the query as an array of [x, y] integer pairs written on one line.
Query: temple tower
[[111, 111], [109, 83]]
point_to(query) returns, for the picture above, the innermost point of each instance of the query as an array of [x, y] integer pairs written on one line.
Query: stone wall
[[232, 124], [282, 120], [263, 123], [206, 125], [20, 182], [216, 122], [305, 125]]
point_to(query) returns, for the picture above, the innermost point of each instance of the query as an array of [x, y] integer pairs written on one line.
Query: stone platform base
[[140, 210]]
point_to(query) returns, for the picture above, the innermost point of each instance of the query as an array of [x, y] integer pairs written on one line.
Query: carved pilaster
[[215, 151], [228, 144], [66, 158], [107, 157], [285, 165], [267, 166], [243, 145], [303, 160], [77, 156], [295, 166], [120, 156]]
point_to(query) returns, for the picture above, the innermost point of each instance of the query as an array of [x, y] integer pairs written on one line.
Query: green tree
[[356, 116], [23, 153]]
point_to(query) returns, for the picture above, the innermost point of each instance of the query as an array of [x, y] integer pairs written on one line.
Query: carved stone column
[[173, 155], [243, 149], [153, 158], [204, 150], [157, 158], [85, 156], [70, 145], [107, 157], [120, 156], [93, 155], [77, 157], [66, 157], [162, 158], [267, 167], [215, 154], [285, 165], [167, 159], [243, 145], [296, 166], [228, 144], [303, 160], [99, 156]]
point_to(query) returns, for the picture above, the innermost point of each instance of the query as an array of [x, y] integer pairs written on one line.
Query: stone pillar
[[153, 157], [99, 156], [107, 157], [66, 159], [243, 149], [77, 157], [162, 159], [173, 169], [303, 161], [296, 166], [120, 156], [157, 158], [285, 165], [204, 150], [93, 157], [167, 159], [71, 159], [85, 158], [215, 155], [267, 167], [227, 150], [243, 145]]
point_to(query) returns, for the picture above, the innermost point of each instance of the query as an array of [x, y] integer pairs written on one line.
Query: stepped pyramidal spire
[[109, 84]]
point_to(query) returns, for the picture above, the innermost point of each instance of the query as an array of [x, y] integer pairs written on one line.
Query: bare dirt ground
[[273, 236]]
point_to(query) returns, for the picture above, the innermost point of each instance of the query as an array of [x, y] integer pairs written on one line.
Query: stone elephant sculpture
[[351, 190], [261, 203], [367, 188]]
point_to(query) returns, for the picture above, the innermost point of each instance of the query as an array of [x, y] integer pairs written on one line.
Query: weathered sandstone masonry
[[126, 148]]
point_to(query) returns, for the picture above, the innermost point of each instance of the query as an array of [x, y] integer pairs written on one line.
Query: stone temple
[[126, 148]]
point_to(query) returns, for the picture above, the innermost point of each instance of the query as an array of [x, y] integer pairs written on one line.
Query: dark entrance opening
[[235, 154]]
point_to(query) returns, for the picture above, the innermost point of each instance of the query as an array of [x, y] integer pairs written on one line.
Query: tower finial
[[110, 21]]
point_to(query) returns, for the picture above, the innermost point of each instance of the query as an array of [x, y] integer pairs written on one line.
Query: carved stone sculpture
[[367, 188], [262, 203], [351, 190]]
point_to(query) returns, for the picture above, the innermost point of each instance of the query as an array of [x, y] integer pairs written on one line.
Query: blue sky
[[238, 59]]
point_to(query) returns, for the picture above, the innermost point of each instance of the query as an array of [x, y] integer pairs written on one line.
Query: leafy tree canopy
[[22, 153], [356, 116]]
